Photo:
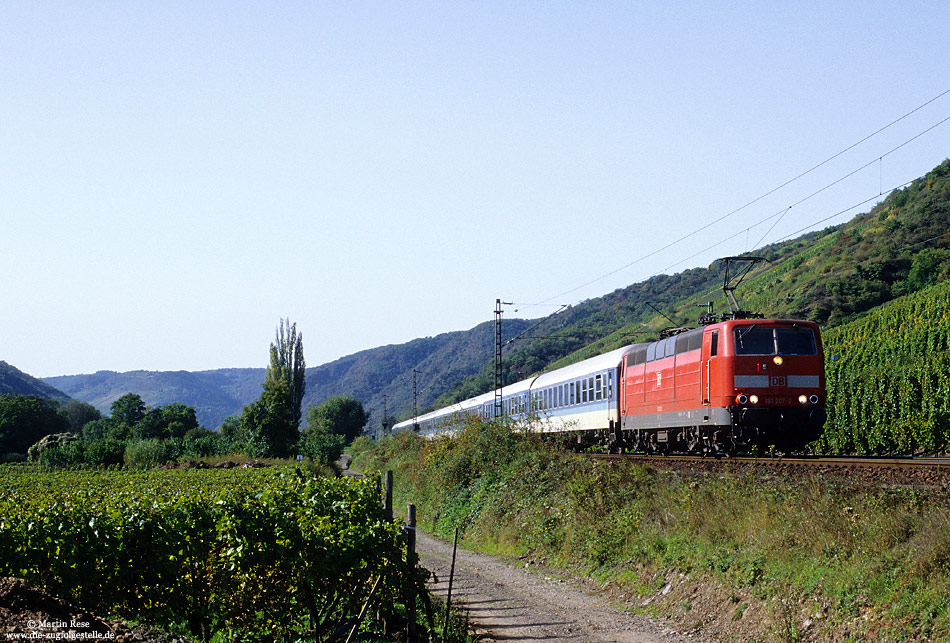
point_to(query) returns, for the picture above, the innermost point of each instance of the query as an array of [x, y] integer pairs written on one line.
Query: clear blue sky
[[177, 176]]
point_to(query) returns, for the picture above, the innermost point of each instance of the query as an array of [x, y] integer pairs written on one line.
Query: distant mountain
[[16, 382], [214, 394], [441, 363]]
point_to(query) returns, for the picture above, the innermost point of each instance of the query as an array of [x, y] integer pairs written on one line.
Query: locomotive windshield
[[753, 340]]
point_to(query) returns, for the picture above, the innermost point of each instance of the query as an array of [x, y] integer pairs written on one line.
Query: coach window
[[598, 388]]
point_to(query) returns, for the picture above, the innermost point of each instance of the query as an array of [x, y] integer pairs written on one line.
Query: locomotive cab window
[[775, 341], [796, 341], [755, 341]]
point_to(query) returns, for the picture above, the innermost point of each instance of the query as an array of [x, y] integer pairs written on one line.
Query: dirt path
[[508, 603]]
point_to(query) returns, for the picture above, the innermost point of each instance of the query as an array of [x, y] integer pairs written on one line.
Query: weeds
[[874, 554]]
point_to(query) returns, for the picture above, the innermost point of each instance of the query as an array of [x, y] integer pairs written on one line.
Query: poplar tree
[[287, 365], [271, 424]]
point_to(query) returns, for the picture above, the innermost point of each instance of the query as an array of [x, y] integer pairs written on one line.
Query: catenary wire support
[[498, 372], [415, 409]]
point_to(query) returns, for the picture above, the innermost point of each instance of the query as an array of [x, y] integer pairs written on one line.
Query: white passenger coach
[[580, 397]]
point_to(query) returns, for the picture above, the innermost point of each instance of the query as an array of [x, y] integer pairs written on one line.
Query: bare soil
[[30, 613]]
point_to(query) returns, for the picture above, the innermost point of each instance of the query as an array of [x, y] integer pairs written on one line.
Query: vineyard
[[256, 551], [888, 378]]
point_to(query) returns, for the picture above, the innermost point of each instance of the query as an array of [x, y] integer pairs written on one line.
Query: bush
[[320, 445], [106, 452], [49, 442], [147, 454], [66, 455], [201, 443]]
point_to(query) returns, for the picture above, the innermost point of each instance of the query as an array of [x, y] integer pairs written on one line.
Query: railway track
[[919, 471]]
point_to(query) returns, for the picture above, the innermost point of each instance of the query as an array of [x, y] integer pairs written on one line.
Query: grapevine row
[[249, 550], [888, 378]]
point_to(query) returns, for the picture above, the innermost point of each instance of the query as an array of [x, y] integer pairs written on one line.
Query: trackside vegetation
[[223, 555], [792, 559]]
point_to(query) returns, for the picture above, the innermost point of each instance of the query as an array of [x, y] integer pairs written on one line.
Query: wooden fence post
[[411, 564], [448, 599], [388, 504]]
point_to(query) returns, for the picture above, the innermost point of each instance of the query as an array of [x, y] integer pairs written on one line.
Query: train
[[732, 386], [738, 383]]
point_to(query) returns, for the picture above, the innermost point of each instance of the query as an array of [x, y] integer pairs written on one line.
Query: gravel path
[[508, 603]]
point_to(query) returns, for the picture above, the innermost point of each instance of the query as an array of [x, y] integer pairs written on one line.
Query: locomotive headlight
[[778, 360], [742, 400], [803, 399], [753, 399], [813, 399]]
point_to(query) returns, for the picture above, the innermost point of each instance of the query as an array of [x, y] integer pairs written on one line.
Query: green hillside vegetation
[[13, 381], [888, 377]]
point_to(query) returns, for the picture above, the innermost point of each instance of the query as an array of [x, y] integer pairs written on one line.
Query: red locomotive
[[726, 387]]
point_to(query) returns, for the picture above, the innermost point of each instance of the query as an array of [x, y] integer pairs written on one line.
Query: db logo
[[778, 380]]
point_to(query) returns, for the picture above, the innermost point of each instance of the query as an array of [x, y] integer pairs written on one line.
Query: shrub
[[147, 454], [106, 452], [66, 455]]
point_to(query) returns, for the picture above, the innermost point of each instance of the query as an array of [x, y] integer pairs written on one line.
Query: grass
[[877, 559]]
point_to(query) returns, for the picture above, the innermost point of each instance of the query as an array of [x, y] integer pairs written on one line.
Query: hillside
[[16, 382], [832, 276]]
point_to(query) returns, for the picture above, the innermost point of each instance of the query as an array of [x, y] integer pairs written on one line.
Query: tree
[[339, 414], [287, 365], [270, 426], [320, 445], [78, 414], [179, 419], [128, 409], [266, 424], [25, 419]]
